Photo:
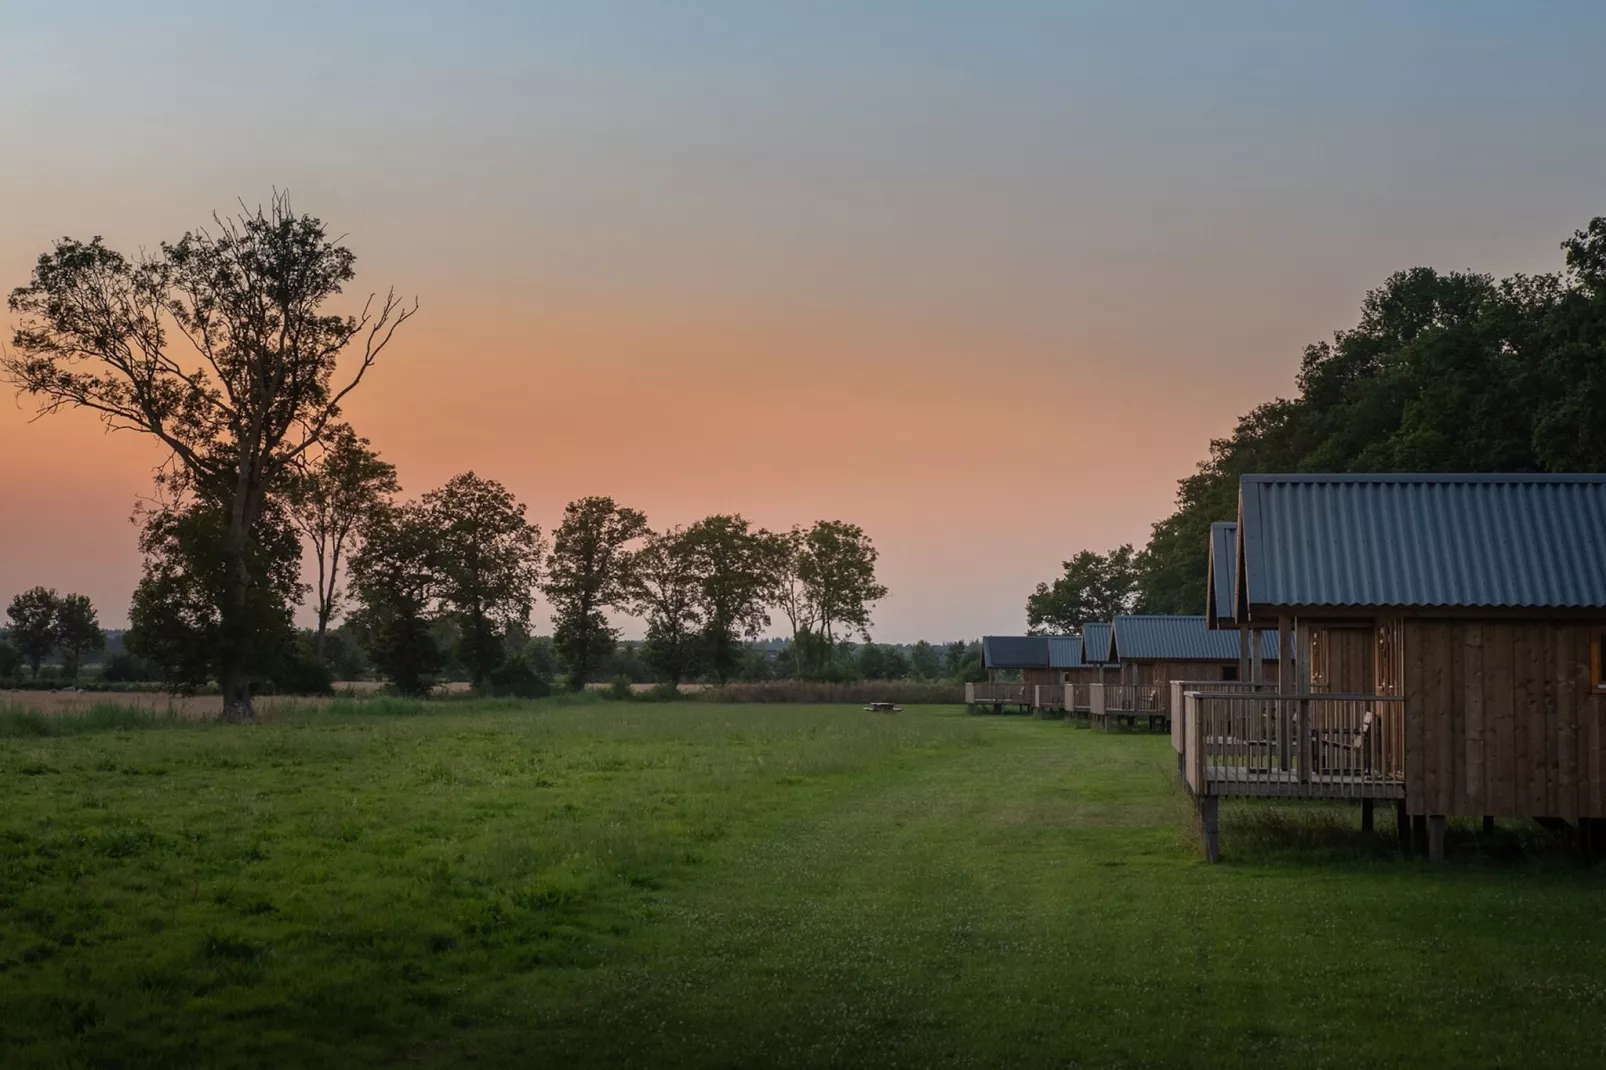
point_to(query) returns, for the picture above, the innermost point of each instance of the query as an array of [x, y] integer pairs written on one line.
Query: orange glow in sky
[[983, 279]]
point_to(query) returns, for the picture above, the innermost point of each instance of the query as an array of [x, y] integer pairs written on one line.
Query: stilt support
[[1419, 833], [1488, 825], [1210, 826], [1435, 837], [1366, 815], [1402, 825]]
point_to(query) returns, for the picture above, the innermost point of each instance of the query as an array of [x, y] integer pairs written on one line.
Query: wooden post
[[1366, 815], [1285, 686], [1419, 833], [1402, 825], [1488, 824], [1435, 837], [1210, 826]]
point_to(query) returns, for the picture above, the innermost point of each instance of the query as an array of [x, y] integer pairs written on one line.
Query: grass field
[[723, 885]]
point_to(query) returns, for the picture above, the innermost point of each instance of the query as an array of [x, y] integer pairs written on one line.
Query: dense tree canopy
[[1094, 586], [668, 593], [488, 560], [588, 573], [176, 621], [77, 631], [32, 633]]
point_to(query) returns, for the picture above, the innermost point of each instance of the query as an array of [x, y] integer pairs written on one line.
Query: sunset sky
[[984, 278]]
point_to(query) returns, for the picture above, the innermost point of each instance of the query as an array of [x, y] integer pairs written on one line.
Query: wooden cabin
[[1153, 651], [1442, 638], [1097, 666], [1043, 664]]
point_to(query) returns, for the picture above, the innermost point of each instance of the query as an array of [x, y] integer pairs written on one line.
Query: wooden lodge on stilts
[[1154, 653], [1042, 662], [1440, 647]]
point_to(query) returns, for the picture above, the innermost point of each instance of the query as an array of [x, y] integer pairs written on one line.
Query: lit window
[[1318, 657], [1385, 676]]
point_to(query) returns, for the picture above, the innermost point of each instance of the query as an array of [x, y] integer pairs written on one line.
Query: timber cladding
[[1341, 659], [1161, 673], [1502, 719]]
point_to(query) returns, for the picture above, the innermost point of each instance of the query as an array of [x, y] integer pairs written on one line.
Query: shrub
[[520, 677], [126, 668], [619, 689]]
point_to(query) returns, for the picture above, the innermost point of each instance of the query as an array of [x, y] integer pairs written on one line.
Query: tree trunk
[[237, 641]]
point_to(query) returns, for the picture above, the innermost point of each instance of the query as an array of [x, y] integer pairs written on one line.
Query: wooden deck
[[1265, 783], [1000, 695], [1129, 704]]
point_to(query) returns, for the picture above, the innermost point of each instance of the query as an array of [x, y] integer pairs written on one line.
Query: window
[[1597, 664], [1229, 672], [1386, 674]]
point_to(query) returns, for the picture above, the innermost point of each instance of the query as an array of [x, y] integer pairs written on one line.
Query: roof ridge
[[1419, 477]]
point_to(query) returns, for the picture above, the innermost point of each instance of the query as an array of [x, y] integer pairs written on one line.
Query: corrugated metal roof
[[1534, 541], [1014, 651], [1181, 639], [1096, 644], [1223, 559], [1064, 652]]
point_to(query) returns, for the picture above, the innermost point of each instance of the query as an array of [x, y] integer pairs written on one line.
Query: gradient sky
[[984, 278]]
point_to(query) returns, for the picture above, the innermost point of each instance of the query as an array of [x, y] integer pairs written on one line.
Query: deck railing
[[1182, 687], [1051, 696], [1322, 745], [998, 694], [1141, 699]]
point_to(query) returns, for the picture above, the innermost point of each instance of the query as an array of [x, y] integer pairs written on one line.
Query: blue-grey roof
[[1096, 644], [1064, 652], [1014, 651], [1181, 639], [1535, 541], [1223, 562]]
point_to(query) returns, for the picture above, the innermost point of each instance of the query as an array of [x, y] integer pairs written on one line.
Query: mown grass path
[[738, 886]]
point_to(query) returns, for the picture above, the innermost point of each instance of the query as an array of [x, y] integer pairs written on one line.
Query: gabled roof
[[1064, 652], [1222, 571], [1014, 651], [1535, 541], [1096, 644], [1181, 639]]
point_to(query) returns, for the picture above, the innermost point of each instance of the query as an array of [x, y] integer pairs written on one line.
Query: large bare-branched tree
[[220, 347]]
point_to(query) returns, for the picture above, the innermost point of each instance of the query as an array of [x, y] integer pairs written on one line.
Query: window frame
[[1597, 660]]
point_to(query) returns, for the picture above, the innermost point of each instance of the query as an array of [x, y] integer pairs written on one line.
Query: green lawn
[[716, 885]]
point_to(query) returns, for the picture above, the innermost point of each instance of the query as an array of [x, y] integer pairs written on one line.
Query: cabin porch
[[1307, 746], [996, 696]]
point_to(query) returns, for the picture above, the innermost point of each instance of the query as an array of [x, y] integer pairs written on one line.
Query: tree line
[[42, 623], [223, 348], [1444, 372]]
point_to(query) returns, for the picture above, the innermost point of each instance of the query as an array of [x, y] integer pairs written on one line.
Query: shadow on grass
[[1328, 833]]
